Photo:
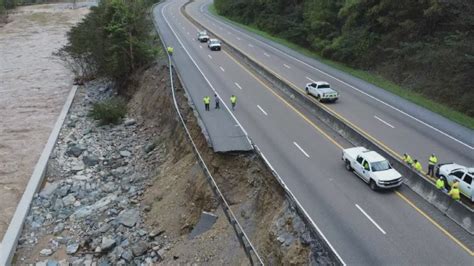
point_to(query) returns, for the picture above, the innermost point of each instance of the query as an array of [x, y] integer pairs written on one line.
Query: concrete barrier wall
[[457, 211], [10, 239]]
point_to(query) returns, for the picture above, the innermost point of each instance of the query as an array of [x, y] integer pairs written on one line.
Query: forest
[[426, 46]]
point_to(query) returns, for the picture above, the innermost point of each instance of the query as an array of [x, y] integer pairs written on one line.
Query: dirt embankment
[[134, 193], [33, 87], [255, 197]]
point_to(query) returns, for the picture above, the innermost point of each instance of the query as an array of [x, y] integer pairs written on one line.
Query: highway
[[395, 122], [362, 226]]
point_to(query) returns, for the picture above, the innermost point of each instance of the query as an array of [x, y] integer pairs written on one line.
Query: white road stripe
[[238, 38], [370, 219], [237, 84], [353, 87], [298, 146], [376, 117], [265, 54], [261, 109], [222, 69], [251, 45], [209, 56], [200, 46], [287, 66], [310, 80]]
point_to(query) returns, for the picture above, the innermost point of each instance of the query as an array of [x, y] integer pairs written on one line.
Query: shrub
[[110, 111]]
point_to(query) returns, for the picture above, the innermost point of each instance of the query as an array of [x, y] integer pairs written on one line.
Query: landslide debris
[[132, 193]]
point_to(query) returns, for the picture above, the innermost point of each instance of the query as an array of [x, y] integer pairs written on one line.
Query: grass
[[110, 111], [377, 80]]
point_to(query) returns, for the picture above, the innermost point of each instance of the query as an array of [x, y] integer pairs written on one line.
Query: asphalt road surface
[[362, 226], [400, 125]]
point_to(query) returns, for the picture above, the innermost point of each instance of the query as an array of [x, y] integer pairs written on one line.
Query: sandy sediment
[[33, 87]]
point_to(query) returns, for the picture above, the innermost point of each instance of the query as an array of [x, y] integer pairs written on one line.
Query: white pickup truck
[[371, 167]]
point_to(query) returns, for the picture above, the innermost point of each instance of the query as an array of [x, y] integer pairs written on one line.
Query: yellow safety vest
[[408, 159], [170, 50], [433, 160], [440, 183], [207, 100], [233, 99], [454, 193], [418, 166]]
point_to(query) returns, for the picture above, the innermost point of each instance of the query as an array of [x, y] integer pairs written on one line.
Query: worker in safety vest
[[407, 159], [233, 101], [432, 161], [454, 192], [170, 50], [440, 183], [417, 166], [207, 101]]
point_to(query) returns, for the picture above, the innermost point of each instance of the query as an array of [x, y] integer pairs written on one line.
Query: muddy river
[[34, 85]]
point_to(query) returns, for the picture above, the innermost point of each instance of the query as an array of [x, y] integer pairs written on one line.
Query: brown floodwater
[[34, 85]]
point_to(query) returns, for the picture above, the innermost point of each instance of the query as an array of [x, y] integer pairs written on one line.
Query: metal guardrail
[[249, 249]]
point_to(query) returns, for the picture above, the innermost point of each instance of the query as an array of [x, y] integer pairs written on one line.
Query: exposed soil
[[33, 87], [170, 194]]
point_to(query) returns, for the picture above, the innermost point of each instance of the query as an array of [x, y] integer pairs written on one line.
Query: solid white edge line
[[347, 84], [381, 120], [237, 84], [301, 207], [261, 109], [202, 73], [301, 149], [223, 70], [263, 156], [370, 219]]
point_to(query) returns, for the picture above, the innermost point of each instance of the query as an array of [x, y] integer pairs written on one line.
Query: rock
[[129, 217], [156, 233], [206, 221], [46, 252], [127, 255], [63, 190], [58, 228], [74, 150], [79, 166], [69, 200], [130, 122], [72, 248], [306, 238], [48, 190], [150, 147], [90, 160], [81, 177], [161, 252], [107, 243], [147, 208], [52, 263], [125, 153], [139, 249], [109, 187], [97, 207]]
